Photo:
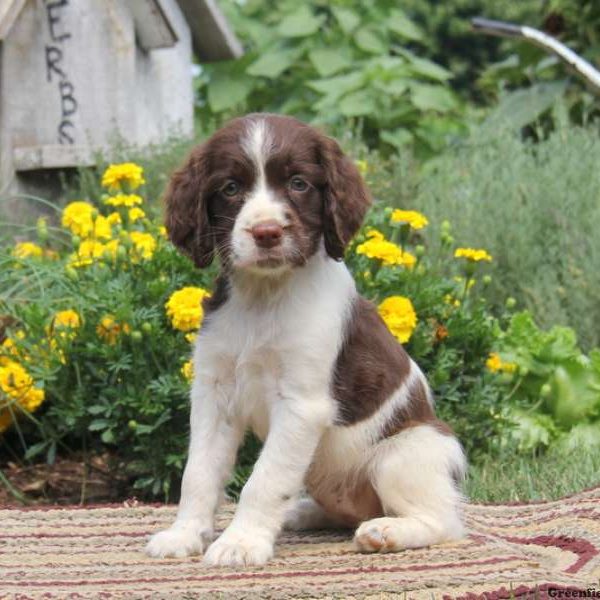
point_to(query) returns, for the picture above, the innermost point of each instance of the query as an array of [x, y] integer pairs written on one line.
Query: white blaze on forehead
[[257, 145], [261, 202]]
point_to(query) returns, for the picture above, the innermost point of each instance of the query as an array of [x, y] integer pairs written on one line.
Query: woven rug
[[512, 551]]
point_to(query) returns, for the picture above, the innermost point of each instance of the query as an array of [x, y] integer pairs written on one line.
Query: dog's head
[[262, 193]]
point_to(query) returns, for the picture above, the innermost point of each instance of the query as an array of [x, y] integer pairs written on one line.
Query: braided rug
[[539, 550]]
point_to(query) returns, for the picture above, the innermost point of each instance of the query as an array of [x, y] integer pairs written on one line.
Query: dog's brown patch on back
[[370, 366]]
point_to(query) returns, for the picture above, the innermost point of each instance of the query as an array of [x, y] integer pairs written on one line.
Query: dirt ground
[[67, 481]]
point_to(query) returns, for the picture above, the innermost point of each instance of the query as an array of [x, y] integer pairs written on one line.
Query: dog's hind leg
[[309, 514], [415, 475]]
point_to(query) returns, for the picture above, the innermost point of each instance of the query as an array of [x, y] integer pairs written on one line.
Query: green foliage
[[333, 63], [556, 385], [536, 207]]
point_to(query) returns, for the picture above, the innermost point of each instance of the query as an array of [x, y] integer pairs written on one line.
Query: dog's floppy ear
[[346, 198], [186, 213]]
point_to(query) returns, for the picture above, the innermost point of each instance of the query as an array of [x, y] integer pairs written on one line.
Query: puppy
[[289, 349]]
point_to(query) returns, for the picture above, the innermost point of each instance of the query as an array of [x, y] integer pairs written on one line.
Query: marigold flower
[[88, 251], [184, 308], [27, 250], [109, 329], [114, 218], [472, 254], [126, 200], [385, 251], [18, 385], [144, 244], [66, 319], [116, 175], [102, 228], [495, 364], [135, 214], [415, 219], [400, 317], [187, 370], [78, 217]]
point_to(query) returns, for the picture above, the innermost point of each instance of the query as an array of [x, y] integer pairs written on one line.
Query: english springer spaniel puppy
[[290, 350]]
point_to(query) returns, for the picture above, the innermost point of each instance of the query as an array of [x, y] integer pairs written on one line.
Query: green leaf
[[108, 437], [432, 97], [399, 23], [36, 449], [98, 424], [522, 107], [225, 91], [272, 64], [369, 40], [347, 18], [358, 104], [300, 23], [424, 67], [337, 86], [328, 61], [398, 139]]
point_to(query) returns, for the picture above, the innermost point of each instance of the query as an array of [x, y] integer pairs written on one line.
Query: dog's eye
[[298, 184], [231, 189]]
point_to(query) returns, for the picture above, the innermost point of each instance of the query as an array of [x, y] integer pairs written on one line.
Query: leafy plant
[[334, 62]]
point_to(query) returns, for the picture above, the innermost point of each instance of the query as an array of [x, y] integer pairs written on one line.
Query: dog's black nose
[[267, 234]]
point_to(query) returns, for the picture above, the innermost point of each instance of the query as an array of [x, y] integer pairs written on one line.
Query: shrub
[[335, 63]]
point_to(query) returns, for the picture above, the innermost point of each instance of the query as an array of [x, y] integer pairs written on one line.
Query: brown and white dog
[[289, 349]]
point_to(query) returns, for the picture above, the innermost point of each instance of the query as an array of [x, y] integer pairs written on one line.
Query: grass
[[512, 478]]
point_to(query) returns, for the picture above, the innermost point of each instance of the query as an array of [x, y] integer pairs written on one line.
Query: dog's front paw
[[239, 550], [178, 541]]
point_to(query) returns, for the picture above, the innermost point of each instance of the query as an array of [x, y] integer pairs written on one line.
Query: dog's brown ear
[[346, 199], [186, 213]]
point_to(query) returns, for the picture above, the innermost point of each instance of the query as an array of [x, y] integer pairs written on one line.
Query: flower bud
[[446, 227], [76, 241], [147, 327], [510, 303], [545, 390], [419, 250], [132, 424], [71, 273], [486, 279], [136, 335]]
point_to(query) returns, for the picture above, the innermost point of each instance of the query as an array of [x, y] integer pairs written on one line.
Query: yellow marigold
[[126, 200], [144, 244], [9, 349], [66, 319], [88, 251], [27, 250], [110, 249], [116, 175], [78, 217], [191, 337], [102, 228], [400, 317], [109, 329], [415, 219], [17, 384], [188, 370], [163, 231], [184, 308], [495, 364], [114, 218], [135, 214], [385, 251], [472, 254]]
